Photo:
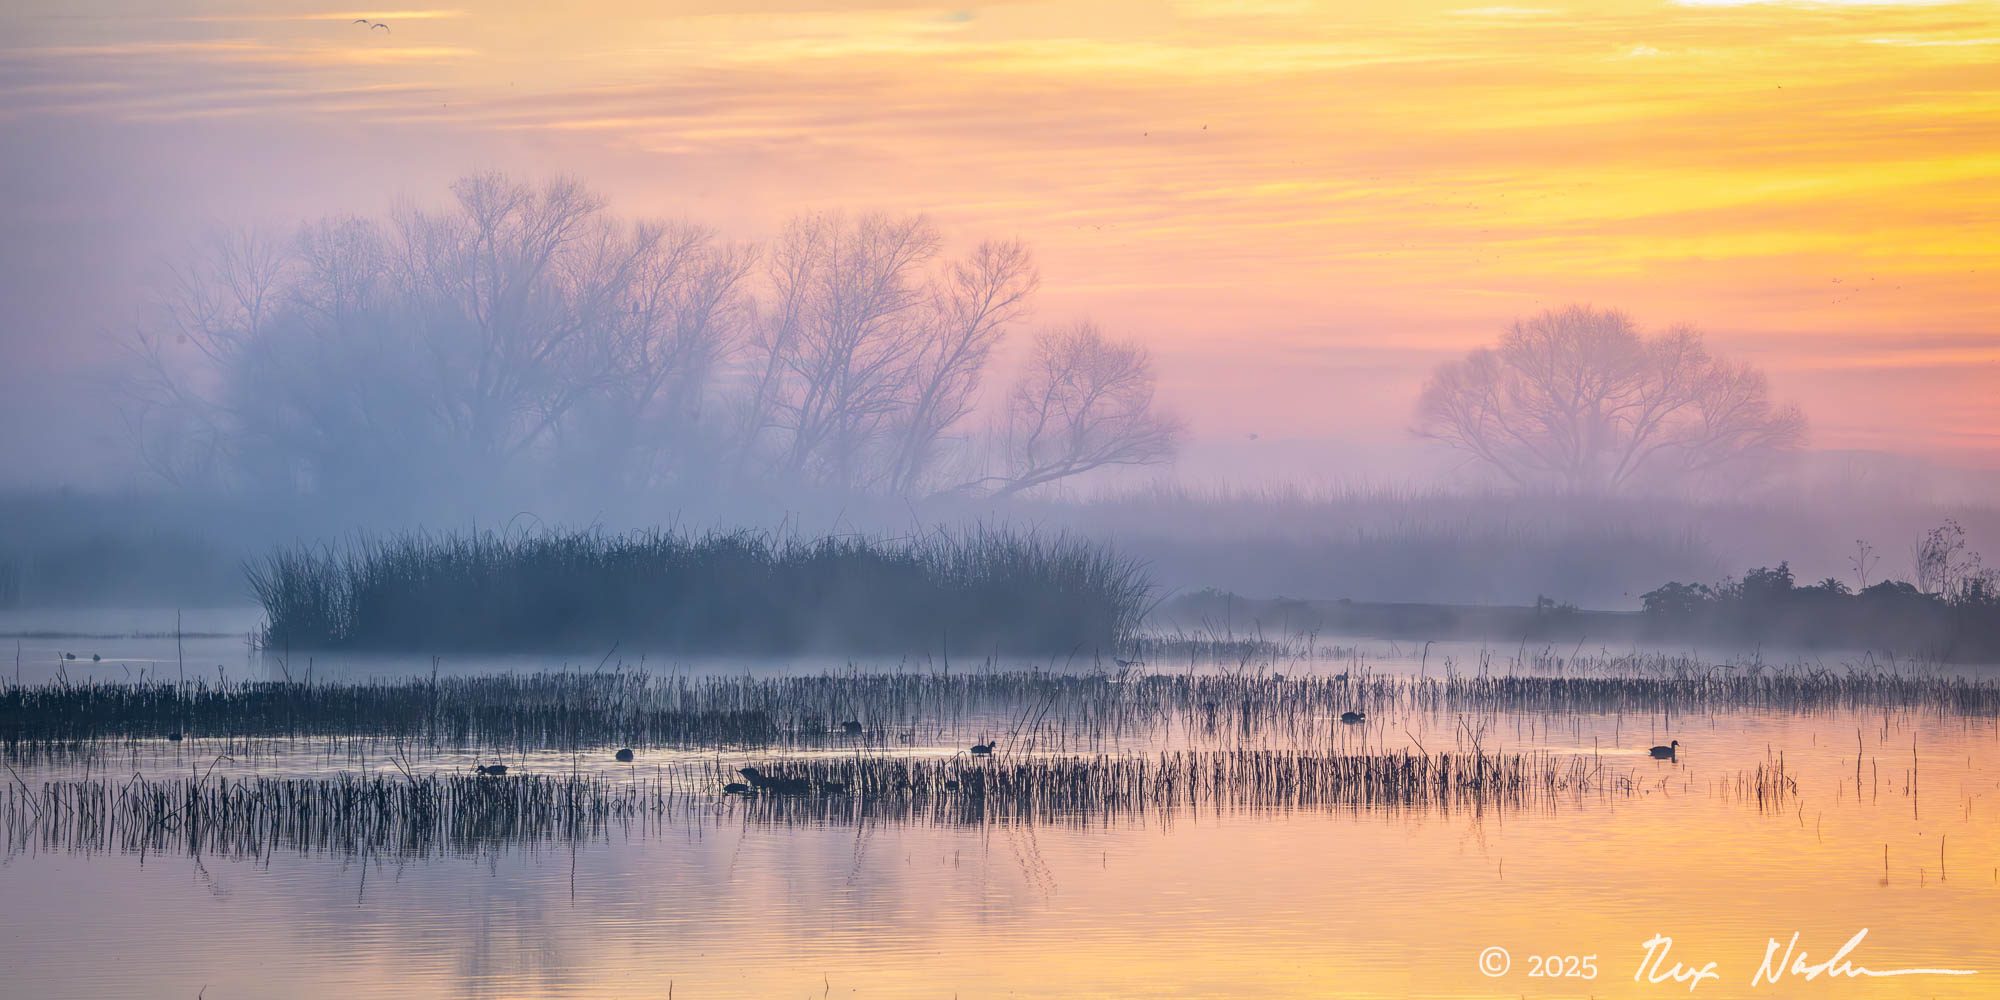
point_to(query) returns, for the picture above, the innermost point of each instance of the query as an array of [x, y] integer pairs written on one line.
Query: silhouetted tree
[[1579, 399], [447, 346], [1085, 402], [522, 330], [865, 359]]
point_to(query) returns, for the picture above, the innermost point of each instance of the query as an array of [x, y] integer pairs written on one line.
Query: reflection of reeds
[[732, 592], [1058, 711], [438, 814]]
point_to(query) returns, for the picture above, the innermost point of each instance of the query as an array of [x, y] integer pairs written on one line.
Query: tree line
[[527, 331]]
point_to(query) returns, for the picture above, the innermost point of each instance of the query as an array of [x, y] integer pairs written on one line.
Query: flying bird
[[379, 24]]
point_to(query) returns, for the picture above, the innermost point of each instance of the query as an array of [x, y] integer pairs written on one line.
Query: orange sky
[[1301, 206]]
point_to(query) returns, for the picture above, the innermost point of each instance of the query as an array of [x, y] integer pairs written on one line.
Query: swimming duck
[[623, 756], [851, 727], [1353, 717], [1668, 752], [491, 770], [735, 788], [983, 749]]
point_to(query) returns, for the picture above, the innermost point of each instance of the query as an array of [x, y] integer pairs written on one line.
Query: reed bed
[[1088, 710], [433, 814], [975, 590]]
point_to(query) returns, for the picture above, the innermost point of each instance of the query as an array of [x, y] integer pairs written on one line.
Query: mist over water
[[1028, 499]]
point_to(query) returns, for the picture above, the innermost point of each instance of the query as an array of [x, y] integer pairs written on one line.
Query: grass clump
[[737, 592]]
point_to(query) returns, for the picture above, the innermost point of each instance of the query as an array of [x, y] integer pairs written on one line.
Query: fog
[[261, 285]]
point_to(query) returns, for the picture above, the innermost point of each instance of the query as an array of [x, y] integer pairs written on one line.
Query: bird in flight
[[372, 25]]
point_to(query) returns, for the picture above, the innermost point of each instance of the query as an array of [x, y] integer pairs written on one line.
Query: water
[[716, 899]]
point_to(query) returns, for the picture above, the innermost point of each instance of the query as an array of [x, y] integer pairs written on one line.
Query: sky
[[1300, 207]]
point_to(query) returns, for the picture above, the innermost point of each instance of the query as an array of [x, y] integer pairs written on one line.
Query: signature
[[1781, 963]]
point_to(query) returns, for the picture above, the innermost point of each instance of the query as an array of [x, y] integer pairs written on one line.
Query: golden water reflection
[[1186, 903]]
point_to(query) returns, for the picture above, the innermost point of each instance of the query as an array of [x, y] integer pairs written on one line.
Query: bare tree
[[1085, 402], [217, 302], [1946, 566], [516, 295], [686, 307], [863, 362], [1578, 398], [972, 305], [523, 329]]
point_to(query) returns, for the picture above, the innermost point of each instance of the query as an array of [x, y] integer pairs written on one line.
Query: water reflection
[[1890, 799]]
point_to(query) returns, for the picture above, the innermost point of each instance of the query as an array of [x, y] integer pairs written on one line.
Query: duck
[[851, 727], [1668, 752], [735, 788], [983, 749], [174, 737], [1278, 678], [94, 658], [1353, 717], [783, 786], [491, 770], [623, 756], [69, 656]]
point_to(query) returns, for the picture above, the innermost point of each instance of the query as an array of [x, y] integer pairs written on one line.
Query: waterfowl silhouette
[[174, 737], [94, 658], [69, 656], [1668, 752], [783, 786], [735, 788], [623, 756], [1353, 717], [1278, 678], [851, 727], [491, 770], [982, 749]]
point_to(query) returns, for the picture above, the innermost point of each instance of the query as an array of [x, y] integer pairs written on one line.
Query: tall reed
[[977, 590]]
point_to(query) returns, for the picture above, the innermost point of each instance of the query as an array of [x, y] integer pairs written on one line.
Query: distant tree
[[972, 305], [1945, 564], [1764, 586], [364, 360], [1084, 403], [522, 334], [1677, 600], [1579, 399], [865, 359]]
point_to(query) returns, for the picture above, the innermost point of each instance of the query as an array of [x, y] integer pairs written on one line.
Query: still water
[[1892, 825]]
